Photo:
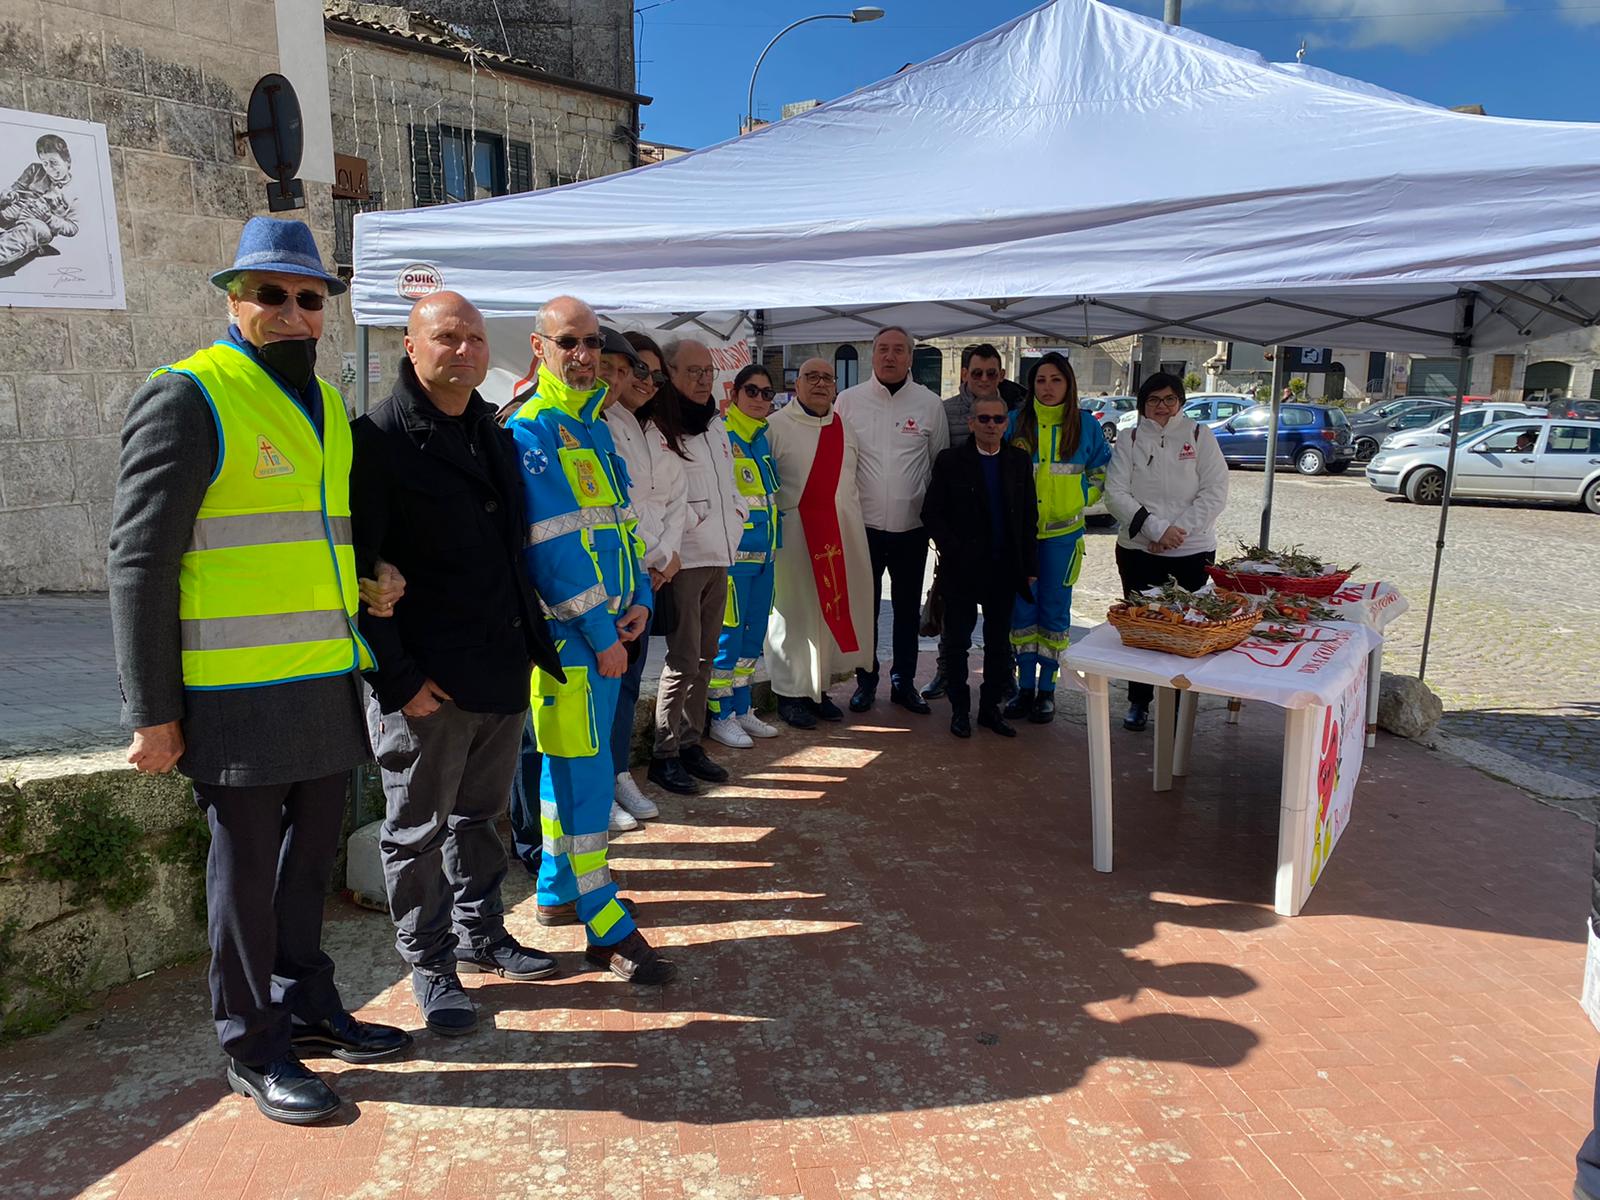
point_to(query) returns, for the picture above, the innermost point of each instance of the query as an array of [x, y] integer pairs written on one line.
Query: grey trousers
[[702, 598], [446, 778]]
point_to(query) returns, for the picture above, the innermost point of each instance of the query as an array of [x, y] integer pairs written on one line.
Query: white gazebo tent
[[1080, 173]]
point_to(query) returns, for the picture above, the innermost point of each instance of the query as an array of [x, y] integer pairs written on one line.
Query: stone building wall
[[569, 133], [170, 80], [589, 40]]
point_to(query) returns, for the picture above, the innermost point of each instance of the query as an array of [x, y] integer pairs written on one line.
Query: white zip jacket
[[898, 437], [655, 485], [715, 521], [1177, 475]]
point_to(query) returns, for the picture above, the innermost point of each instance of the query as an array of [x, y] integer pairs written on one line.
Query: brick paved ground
[[901, 979]]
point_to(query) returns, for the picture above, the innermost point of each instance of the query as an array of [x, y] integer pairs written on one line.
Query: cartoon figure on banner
[[1338, 762], [36, 209], [1327, 784]]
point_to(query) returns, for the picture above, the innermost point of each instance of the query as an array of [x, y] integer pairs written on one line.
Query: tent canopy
[[1080, 172]]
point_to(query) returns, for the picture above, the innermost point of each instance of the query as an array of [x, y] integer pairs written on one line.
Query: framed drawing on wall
[[58, 214]]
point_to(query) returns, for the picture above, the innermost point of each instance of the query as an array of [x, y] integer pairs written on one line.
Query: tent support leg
[[1463, 347], [361, 370], [1271, 464], [759, 324]]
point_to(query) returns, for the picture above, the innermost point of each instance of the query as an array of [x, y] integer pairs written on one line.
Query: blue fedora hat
[[287, 247]]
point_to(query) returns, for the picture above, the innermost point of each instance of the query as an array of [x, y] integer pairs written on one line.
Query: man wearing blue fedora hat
[[233, 597]]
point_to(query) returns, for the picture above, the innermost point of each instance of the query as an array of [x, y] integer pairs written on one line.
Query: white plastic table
[[1321, 683]]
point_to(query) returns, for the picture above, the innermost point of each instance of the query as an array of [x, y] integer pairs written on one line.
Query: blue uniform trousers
[[744, 632], [1039, 628], [575, 811]]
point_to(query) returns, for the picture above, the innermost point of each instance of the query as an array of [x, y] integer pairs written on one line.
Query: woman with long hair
[[750, 579], [1069, 454]]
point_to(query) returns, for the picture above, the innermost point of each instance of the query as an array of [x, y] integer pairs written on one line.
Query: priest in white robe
[[822, 620]]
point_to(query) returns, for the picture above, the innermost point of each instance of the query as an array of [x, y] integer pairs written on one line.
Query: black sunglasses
[[640, 371], [752, 391], [659, 378], [988, 419], [569, 342], [273, 296]]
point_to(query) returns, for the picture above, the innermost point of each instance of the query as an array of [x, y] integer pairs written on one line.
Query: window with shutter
[[520, 175], [427, 165]]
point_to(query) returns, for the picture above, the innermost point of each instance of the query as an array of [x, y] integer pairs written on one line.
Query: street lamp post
[[857, 16]]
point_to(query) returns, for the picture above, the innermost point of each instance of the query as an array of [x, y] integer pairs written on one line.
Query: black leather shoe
[[989, 718], [633, 959], [796, 712], [669, 773], [826, 710], [698, 763], [935, 688], [961, 725], [908, 698], [1138, 717], [861, 699], [349, 1040], [284, 1091], [1044, 708], [1020, 706], [507, 959]]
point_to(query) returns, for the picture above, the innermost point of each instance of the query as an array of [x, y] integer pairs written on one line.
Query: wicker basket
[[1254, 584], [1187, 639]]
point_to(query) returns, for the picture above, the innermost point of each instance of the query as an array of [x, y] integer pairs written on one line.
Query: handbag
[[931, 622], [664, 622]]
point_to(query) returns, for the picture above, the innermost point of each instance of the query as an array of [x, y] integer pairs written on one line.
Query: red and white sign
[[419, 280], [1341, 741]]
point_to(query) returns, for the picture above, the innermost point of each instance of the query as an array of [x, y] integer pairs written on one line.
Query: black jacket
[[956, 513], [441, 498]]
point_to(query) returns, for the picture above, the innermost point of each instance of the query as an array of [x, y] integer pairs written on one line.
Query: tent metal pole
[[759, 324], [361, 370], [1270, 465], [1463, 348]]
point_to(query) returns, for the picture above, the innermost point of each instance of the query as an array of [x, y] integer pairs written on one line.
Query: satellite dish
[[277, 140]]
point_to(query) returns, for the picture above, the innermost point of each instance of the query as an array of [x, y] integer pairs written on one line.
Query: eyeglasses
[[569, 342], [817, 377], [990, 373], [640, 371], [699, 373], [273, 296], [659, 378], [751, 391], [1165, 399], [988, 419]]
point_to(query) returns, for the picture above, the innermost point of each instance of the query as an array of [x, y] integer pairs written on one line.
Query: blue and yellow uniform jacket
[[582, 550], [757, 480]]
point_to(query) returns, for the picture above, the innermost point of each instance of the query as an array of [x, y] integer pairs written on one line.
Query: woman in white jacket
[[713, 527], [1167, 486]]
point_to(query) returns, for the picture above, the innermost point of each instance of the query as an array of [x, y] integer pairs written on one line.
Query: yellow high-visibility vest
[[267, 586]]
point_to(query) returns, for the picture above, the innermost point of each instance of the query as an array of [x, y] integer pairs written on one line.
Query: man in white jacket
[[713, 527], [1167, 485], [900, 428]]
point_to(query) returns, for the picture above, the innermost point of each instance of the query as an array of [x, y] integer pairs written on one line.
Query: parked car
[[1561, 464], [1369, 427], [1582, 410], [1312, 438], [1479, 416], [1107, 410], [1208, 408]]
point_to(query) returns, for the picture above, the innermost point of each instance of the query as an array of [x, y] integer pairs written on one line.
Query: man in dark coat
[[980, 511], [436, 491]]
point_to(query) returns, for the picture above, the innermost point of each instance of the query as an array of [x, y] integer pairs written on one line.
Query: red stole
[[819, 518]]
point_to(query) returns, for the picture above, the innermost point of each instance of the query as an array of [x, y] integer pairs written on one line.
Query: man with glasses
[[900, 428], [233, 597], [981, 512], [584, 557], [981, 373], [822, 601], [437, 490]]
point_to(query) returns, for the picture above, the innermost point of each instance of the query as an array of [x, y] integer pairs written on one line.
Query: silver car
[[1473, 418], [1524, 459]]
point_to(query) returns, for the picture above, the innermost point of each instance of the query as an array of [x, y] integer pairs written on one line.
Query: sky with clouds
[[1518, 58]]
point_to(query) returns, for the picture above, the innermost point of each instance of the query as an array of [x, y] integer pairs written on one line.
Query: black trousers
[[272, 851], [1140, 569], [995, 595], [905, 556]]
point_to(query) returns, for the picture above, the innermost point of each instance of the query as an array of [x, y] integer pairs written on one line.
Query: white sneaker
[[726, 730], [755, 726], [631, 800], [621, 822]]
